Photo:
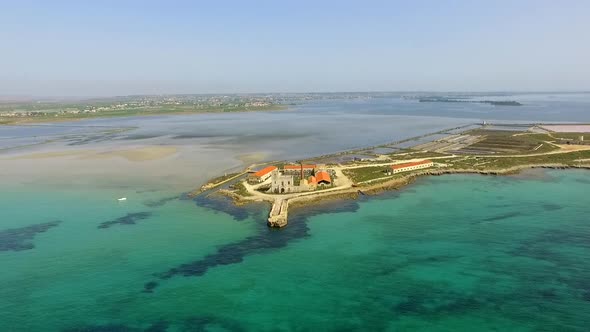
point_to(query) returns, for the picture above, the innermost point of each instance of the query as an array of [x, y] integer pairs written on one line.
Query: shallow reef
[[129, 219], [265, 239], [17, 239]]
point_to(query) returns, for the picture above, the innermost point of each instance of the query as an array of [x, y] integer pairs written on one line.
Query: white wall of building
[[413, 168]]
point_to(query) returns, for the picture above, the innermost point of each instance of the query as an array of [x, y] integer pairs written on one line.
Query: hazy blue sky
[[130, 47]]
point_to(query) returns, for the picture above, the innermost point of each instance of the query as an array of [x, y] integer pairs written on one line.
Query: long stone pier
[[278, 213]]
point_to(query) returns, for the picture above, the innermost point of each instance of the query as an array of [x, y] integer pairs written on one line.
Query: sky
[[104, 48]]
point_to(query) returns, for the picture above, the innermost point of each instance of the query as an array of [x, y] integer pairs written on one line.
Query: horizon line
[[30, 97]]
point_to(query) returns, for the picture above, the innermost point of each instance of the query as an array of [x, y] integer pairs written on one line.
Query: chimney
[[301, 170]]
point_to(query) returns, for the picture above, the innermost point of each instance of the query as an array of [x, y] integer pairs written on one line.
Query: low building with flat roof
[[398, 168], [288, 168]]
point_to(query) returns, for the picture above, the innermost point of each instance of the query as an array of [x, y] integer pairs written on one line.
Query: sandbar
[[145, 153]]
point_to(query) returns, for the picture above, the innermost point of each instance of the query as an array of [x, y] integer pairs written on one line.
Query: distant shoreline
[[24, 120]]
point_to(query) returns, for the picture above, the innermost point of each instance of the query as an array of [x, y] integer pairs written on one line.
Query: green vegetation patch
[[241, 189], [499, 163], [363, 174]]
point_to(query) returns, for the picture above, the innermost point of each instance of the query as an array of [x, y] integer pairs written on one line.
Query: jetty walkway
[[278, 213]]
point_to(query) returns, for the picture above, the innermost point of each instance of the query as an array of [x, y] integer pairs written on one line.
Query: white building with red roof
[[262, 175], [405, 167]]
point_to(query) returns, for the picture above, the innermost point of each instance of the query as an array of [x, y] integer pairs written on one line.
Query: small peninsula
[[474, 148]]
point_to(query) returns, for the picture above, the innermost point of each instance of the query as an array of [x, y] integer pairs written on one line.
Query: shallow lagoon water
[[305, 130]]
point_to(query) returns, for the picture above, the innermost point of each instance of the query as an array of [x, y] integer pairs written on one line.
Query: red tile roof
[[298, 167], [312, 180], [323, 176], [265, 171], [398, 166]]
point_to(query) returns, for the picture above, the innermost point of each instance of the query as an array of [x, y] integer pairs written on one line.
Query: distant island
[[462, 100]]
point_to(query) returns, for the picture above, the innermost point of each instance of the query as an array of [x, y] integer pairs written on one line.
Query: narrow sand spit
[[135, 154]]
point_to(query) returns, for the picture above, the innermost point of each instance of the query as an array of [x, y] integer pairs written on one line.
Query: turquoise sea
[[449, 253]]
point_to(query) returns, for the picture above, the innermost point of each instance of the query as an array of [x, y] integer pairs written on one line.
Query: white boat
[[122, 199]]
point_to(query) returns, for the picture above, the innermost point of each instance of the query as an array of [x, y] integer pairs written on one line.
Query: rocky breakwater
[[278, 213]]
